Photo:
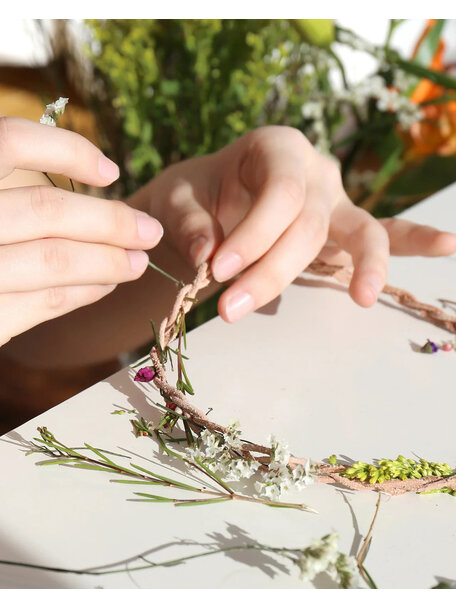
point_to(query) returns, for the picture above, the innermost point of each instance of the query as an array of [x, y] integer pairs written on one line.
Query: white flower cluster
[[221, 454], [313, 110], [403, 81], [388, 99], [323, 556], [53, 111], [216, 452], [359, 44], [279, 477]]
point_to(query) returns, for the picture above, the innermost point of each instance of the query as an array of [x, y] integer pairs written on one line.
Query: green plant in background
[[182, 88], [189, 87]]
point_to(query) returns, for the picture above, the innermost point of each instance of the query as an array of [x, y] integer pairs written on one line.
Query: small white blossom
[[53, 111], [47, 120]]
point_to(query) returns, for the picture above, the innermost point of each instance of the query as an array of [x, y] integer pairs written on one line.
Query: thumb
[[194, 232]]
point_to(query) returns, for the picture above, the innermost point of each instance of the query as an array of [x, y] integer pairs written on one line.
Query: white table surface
[[312, 367]]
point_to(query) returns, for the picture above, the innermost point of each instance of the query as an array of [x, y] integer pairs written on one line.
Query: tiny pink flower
[[145, 374]]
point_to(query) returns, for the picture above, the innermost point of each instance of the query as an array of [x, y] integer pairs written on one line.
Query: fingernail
[[107, 169], [149, 229], [199, 250], [138, 260], [374, 283], [238, 305], [226, 266]]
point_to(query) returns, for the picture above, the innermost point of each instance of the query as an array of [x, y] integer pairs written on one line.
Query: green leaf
[[184, 331], [188, 433], [188, 384], [429, 44], [98, 453], [299, 507], [161, 353], [434, 173], [166, 479], [438, 100], [152, 483], [59, 447], [391, 166], [141, 362], [440, 78], [56, 461], [176, 353], [213, 475], [194, 503], [93, 467], [155, 497]]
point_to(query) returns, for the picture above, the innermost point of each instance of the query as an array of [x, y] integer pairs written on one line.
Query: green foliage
[[401, 468], [444, 490], [183, 88]]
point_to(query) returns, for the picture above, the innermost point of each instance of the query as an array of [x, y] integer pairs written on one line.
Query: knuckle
[[55, 298], [276, 281], [316, 227], [46, 203], [120, 219], [331, 173], [55, 256], [291, 189], [116, 264]]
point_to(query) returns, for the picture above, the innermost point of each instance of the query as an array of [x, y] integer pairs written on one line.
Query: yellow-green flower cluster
[[441, 491], [401, 468]]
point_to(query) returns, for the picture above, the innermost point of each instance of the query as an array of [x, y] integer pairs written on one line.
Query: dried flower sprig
[[59, 453], [53, 111], [50, 116]]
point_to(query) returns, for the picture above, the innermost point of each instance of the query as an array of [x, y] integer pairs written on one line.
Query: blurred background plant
[[180, 88]]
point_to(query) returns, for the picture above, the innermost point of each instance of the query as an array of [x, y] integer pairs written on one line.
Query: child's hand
[[265, 206], [60, 250]]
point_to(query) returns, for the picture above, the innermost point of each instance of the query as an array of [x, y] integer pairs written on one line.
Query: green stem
[[165, 274]]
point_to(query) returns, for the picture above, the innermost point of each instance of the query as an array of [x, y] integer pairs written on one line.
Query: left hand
[[266, 206]]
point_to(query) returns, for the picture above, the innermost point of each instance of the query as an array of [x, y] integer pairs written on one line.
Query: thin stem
[[191, 463], [52, 182], [362, 552], [167, 275]]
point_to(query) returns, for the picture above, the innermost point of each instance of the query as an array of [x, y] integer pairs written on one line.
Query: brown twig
[[433, 314], [364, 547]]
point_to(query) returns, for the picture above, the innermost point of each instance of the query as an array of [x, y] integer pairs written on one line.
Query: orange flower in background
[[436, 133]]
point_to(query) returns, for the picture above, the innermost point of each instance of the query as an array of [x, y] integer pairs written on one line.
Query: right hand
[[61, 250]]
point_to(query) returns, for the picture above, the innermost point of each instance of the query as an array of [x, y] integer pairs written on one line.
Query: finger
[[266, 279], [334, 255], [279, 203], [38, 212], [193, 230], [28, 145], [22, 311], [58, 262], [408, 238], [367, 242]]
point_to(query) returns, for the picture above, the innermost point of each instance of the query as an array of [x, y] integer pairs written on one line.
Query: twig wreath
[[391, 476]]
